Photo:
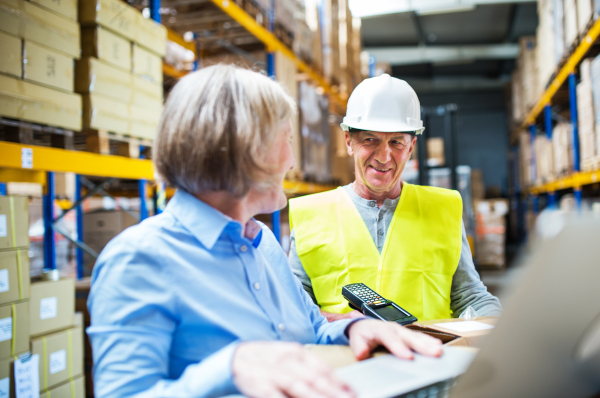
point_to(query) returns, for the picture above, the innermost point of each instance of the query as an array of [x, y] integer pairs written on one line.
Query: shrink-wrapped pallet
[[545, 48], [518, 113], [529, 75], [570, 15], [559, 32], [562, 139], [525, 169], [544, 159], [585, 114], [595, 81], [584, 15]]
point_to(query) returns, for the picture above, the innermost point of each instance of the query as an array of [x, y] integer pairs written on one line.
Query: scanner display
[[390, 313]]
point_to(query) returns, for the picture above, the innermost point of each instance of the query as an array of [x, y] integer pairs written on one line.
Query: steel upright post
[[548, 129], [276, 216], [2, 189], [79, 218], [574, 128], [155, 10], [49, 242], [142, 191]]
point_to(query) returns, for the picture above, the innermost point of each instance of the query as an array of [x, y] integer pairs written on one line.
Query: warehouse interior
[[508, 92]]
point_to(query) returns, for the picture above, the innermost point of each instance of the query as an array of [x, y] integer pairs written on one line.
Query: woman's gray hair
[[215, 128]]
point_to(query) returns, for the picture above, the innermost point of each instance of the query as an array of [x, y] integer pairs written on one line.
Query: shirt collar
[[359, 200], [202, 220]]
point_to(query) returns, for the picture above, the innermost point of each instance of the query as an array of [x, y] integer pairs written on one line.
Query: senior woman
[[200, 301]]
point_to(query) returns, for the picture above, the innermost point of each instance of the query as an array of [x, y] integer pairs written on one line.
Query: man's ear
[[349, 143], [412, 145]]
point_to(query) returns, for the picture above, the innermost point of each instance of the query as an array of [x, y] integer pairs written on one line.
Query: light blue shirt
[[172, 298]]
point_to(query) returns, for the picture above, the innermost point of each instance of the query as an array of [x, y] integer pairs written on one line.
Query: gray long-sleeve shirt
[[467, 288]]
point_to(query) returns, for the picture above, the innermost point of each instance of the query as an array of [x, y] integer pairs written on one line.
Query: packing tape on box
[[11, 200], [45, 363], [20, 274], [13, 344]]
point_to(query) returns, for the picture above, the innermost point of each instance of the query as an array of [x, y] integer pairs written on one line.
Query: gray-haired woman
[[199, 301]]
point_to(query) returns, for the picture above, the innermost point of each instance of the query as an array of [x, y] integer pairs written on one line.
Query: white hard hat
[[384, 104]]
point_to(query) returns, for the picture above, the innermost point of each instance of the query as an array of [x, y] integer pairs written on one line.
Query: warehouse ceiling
[[468, 49]]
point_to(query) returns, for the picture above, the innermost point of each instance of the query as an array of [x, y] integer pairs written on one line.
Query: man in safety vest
[[406, 242]]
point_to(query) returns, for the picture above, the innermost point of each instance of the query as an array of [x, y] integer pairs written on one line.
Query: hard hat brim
[[383, 129]]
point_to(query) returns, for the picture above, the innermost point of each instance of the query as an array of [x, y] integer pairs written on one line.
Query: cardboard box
[[61, 356], [107, 46], [143, 88], [101, 226], [52, 306], [93, 76], [124, 20], [41, 26], [103, 113], [453, 337], [28, 101], [435, 152], [66, 8], [145, 120], [146, 64], [11, 61], [48, 67], [14, 318], [14, 275], [14, 220], [70, 389]]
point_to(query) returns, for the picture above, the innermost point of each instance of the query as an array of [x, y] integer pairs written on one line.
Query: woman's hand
[[366, 335], [273, 369]]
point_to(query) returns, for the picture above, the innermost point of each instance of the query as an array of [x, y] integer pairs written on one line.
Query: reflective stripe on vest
[[419, 256]]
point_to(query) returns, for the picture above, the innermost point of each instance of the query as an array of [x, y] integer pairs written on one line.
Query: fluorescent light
[[446, 10]]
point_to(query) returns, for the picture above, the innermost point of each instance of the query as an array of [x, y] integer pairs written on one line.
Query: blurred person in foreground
[[199, 301], [407, 242]]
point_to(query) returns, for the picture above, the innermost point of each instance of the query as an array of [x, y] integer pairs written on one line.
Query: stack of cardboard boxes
[[38, 323], [39, 40], [14, 287], [120, 74], [490, 232], [57, 339]]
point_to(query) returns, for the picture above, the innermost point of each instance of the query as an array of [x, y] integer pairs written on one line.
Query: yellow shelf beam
[[568, 68], [177, 38], [172, 72], [575, 180], [66, 161], [273, 44], [85, 163], [304, 188]]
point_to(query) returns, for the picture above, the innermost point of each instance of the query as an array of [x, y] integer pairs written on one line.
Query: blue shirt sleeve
[[133, 320]]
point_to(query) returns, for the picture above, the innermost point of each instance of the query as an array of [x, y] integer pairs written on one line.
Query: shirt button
[[257, 286], [380, 217], [380, 232], [372, 204], [243, 248], [281, 327]]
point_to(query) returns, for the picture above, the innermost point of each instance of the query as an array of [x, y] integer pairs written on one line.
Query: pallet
[[591, 164], [256, 12], [284, 35], [96, 141], [27, 133], [107, 143]]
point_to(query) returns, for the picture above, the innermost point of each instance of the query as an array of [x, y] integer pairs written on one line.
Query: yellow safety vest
[[418, 260]]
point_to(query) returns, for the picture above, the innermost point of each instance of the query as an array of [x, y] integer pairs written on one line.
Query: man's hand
[[368, 334], [282, 369], [336, 317]]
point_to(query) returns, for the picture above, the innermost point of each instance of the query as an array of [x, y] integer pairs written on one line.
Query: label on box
[[58, 361], [6, 325], [4, 281], [466, 326], [3, 229], [27, 158], [27, 377], [5, 387], [48, 307]]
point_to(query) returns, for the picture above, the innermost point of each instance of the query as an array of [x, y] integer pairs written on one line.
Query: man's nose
[[383, 153]]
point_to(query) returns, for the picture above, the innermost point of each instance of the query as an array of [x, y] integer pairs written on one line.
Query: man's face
[[379, 158]]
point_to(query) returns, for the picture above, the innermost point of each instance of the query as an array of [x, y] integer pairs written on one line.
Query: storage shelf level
[[575, 180]]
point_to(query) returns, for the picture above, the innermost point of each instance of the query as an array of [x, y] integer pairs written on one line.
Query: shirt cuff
[[216, 373]]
